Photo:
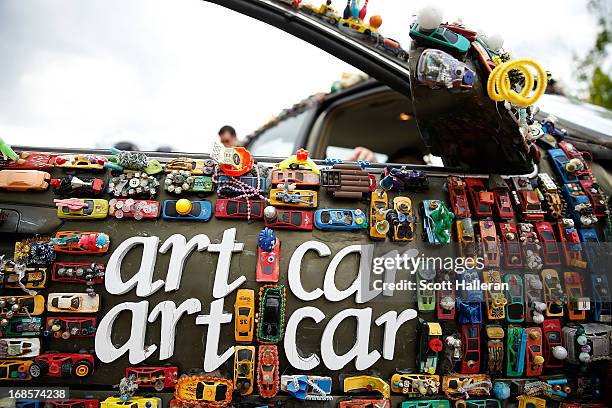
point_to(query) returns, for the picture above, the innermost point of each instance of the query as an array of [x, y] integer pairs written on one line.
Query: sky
[[91, 73]]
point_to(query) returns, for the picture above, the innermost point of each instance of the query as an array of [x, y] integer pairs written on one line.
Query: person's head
[[227, 136]]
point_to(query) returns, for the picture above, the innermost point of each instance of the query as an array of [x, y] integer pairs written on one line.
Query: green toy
[[7, 151], [515, 351], [442, 218]]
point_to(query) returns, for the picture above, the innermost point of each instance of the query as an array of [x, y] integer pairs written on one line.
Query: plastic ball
[[494, 42], [375, 21], [584, 357], [538, 360], [270, 212], [429, 18], [582, 340], [538, 318], [586, 348], [183, 206], [559, 352], [501, 390]]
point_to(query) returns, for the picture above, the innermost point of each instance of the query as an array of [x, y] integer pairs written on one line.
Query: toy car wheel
[[159, 385], [82, 368], [66, 369], [38, 369]]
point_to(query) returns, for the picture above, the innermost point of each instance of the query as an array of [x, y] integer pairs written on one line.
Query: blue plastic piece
[[363, 163], [266, 239], [202, 211], [501, 390], [331, 162], [559, 159]]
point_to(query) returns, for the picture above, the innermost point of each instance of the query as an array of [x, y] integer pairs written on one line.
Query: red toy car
[[503, 204], [482, 200], [534, 359], [81, 242], [278, 218], [158, 378], [78, 272], [470, 341], [490, 243], [67, 327], [238, 209], [552, 338], [550, 250], [458, 197], [301, 178], [130, 208], [64, 365], [513, 256], [268, 264], [531, 207], [30, 161], [268, 377], [72, 403], [572, 153], [596, 197], [570, 243]]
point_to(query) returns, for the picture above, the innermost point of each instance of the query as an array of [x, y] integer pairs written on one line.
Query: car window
[[279, 140], [450, 36]]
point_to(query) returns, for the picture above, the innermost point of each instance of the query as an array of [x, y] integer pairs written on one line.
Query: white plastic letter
[[170, 315], [392, 323], [295, 266], [181, 249], [228, 245], [291, 351], [214, 320], [332, 293]]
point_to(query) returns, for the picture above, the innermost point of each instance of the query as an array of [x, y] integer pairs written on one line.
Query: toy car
[[478, 403], [232, 186], [158, 378], [458, 197], [366, 383], [570, 243], [33, 278], [271, 313], [531, 207], [29, 161], [515, 351], [379, 204], [73, 302], [204, 390], [515, 308], [64, 365], [68, 403], [534, 359], [530, 242], [293, 198], [534, 298], [415, 385], [446, 297], [503, 204], [19, 348], [81, 208], [132, 162], [268, 256], [133, 185], [482, 200], [577, 304], [15, 370], [22, 327], [594, 335], [470, 341], [24, 180], [578, 205], [470, 298], [437, 69], [307, 387], [495, 299], [79, 242], [268, 377], [601, 301], [401, 219], [513, 257], [403, 179], [562, 166], [239, 209], [278, 218], [495, 348], [34, 251], [430, 344], [78, 272], [73, 186], [137, 209], [441, 37], [67, 327], [365, 403], [552, 338], [196, 167], [21, 306], [549, 244], [595, 195], [88, 162], [490, 243], [551, 195], [244, 369], [181, 181], [338, 219], [572, 153], [233, 161], [426, 297], [589, 239], [553, 294], [133, 402], [437, 221], [465, 238], [301, 178], [463, 386], [186, 210], [244, 315]]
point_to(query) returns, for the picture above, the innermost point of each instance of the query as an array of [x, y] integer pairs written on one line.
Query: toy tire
[[66, 369], [159, 385], [38, 369], [82, 368]]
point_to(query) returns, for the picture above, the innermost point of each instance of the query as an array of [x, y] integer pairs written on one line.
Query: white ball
[[559, 352], [270, 212], [429, 18], [538, 318], [494, 42]]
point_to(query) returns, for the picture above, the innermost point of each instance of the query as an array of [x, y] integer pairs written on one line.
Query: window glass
[[279, 140]]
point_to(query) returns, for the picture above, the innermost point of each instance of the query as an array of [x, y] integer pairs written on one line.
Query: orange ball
[[375, 21]]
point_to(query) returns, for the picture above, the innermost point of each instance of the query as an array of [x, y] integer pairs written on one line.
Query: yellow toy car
[[526, 401], [244, 369], [196, 167], [286, 197], [18, 370], [133, 402], [367, 383], [379, 204], [22, 305], [204, 390], [81, 162], [402, 219], [244, 315], [82, 208]]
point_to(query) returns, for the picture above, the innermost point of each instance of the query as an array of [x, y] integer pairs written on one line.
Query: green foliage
[[600, 90]]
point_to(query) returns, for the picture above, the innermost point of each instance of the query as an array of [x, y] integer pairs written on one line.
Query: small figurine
[[298, 161], [268, 256], [127, 387]]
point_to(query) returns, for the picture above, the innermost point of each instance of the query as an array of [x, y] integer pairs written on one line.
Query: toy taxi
[[182, 181], [239, 209], [403, 179], [415, 385], [279, 218], [73, 302], [339, 219], [426, 296], [379, 204], [78, 272], [244, 315], [19, 348], [244, 369], [534, 358], [158, 378], [21, 306], [124, 208], [268, 256], [577, 303], [490, 243], [24, 180], [73, 186], [347, 181], [307, 387], [81, 208], [62, 327], [268, 377], [34, 277], [437, 221], [482, 200], [495, 348], [513, 255], [553, 344], [87, 162], [553, 293], [196, 167], [204, 390], [133, 185], [21, 326], [601, 301], [401, 219], [366, 383], [64, 365], [515, 351], [271, 313], [430, 344], [79, 242], [470, 341], [187, 210], [233, 161], [458, 196], [29, 161], [515, 308]]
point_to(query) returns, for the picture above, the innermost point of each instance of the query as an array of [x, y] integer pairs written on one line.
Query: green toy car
[[441, 37]]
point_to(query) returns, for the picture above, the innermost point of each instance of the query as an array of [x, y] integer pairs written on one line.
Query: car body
[[244, 369], [458, 386], [470, 343], [15, 370], [22, 326], [268, 376], [121, 208], [307, 387], [515, 308], [401, 219], [239, 208], [597, 337], [534, 358], [81, 242], [35, 277], [482, 200], [133, 185], [68, 403], [280, 218], [513, 255], [88, 162], [271, 313], [82, 208], [577, 303], [204, 390], [340, 219], [531, 206], [465, 237], [19, 348], [268, 262], [534, 294], [551, 329], [458, 196], [495, 348], [366, 383], [550, 250], [78, 272], [572, 153], [470, 298], [301, 178], [284, 197], [436, 232], [430, 345], [415, 385], [133, 402], [158, 378], [379, 204], [365, 403], [63, 327], [28, 305], [553, 293], [494, 296], [24, 180], [73, 302], [196, 167], [73, 186], [559, 161], [490, 243], [578, 205], [426, 404], [601, 300], [530, 242], [550, 190], [595, 195], [589, 239], [65, 365], [201, 210], [244, 315], [516, 342], [446, 297], [29, 161], [503, 203], [441, 37], [569, 241]]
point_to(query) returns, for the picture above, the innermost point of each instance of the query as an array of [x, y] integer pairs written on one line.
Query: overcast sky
[[85, 73]]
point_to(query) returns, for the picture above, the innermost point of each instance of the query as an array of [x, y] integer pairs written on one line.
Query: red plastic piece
[[470, 342], [550, 250], [513, 256], [268, 264], [552, 337], [157, 377], [481, 198]]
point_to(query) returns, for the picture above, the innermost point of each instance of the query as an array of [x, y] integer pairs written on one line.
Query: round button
[[183, 206]]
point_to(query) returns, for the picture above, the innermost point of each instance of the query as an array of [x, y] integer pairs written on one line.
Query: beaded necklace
[[245, 191]]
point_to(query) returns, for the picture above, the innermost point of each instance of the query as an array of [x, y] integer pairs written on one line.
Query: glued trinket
[[272, 302], [63, 365], [204, 391], [233, 161], [244, 369], [437, 69], [268, 256], [132, 161], [415, 385], [366, 383], [307, 387], [404, 179], [73, 186], [133, 185]]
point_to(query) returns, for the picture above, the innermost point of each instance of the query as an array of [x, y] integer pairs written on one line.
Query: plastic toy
[[278, 218], [495, 348], [244, 369], [28, 161], [601, 302], [531, 246], [490, 243], [73, 186], [531, 207], [11, 306], [446, 297], [458, 197], [479, 403], [515, 308], [437, 221], [569, 241], [133, 185], [158, 378], [22, 277], [470, 298], [464, 386], [482, 200], [63, 365], [20, 327], [365, 403], [430, 344], [298, 161], [78, 272], [577, 304], [500, 87], [578, 206], [515, 351], [134, 402], [436, 36], [562, 166], [19, 348], [186, 210], [87, 162], [379, 204], [551, 195], [347, 181], [233, 161], [182, 181], [426, 297], [196, 167], [534, 360], [70, 403], [307, 387], [81, 208], [366, 383], [244, 315], [465, 238], [24, 180], [401, 219], [301, 178], [589, 239], [415, 385], [582, 169], [132, 161], [437, 69], [271, 313], [553, 294], [239, 208], [79, 242], [527, 401], [587, 343], [34, 251], [403, 179], [61, 327], [552, 340], [204, 390], [595, 195], [73, 302], [549, 244], [121, 208], [15, 370], [227, 186], [470, 340], [534, 299], [290, 197], [268, 377], [510, 243], [268, 256], [340, 219]]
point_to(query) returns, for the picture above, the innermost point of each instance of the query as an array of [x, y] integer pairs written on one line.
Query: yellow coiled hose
[[500, 89]]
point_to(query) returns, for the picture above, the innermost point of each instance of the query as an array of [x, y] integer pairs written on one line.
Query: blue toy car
[[559, 161], [340, 219], [470, 298], [200, 211], [441, 37], [579, 206]]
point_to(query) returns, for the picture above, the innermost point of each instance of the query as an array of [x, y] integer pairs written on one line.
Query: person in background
[[362, 153], [227, 136]]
